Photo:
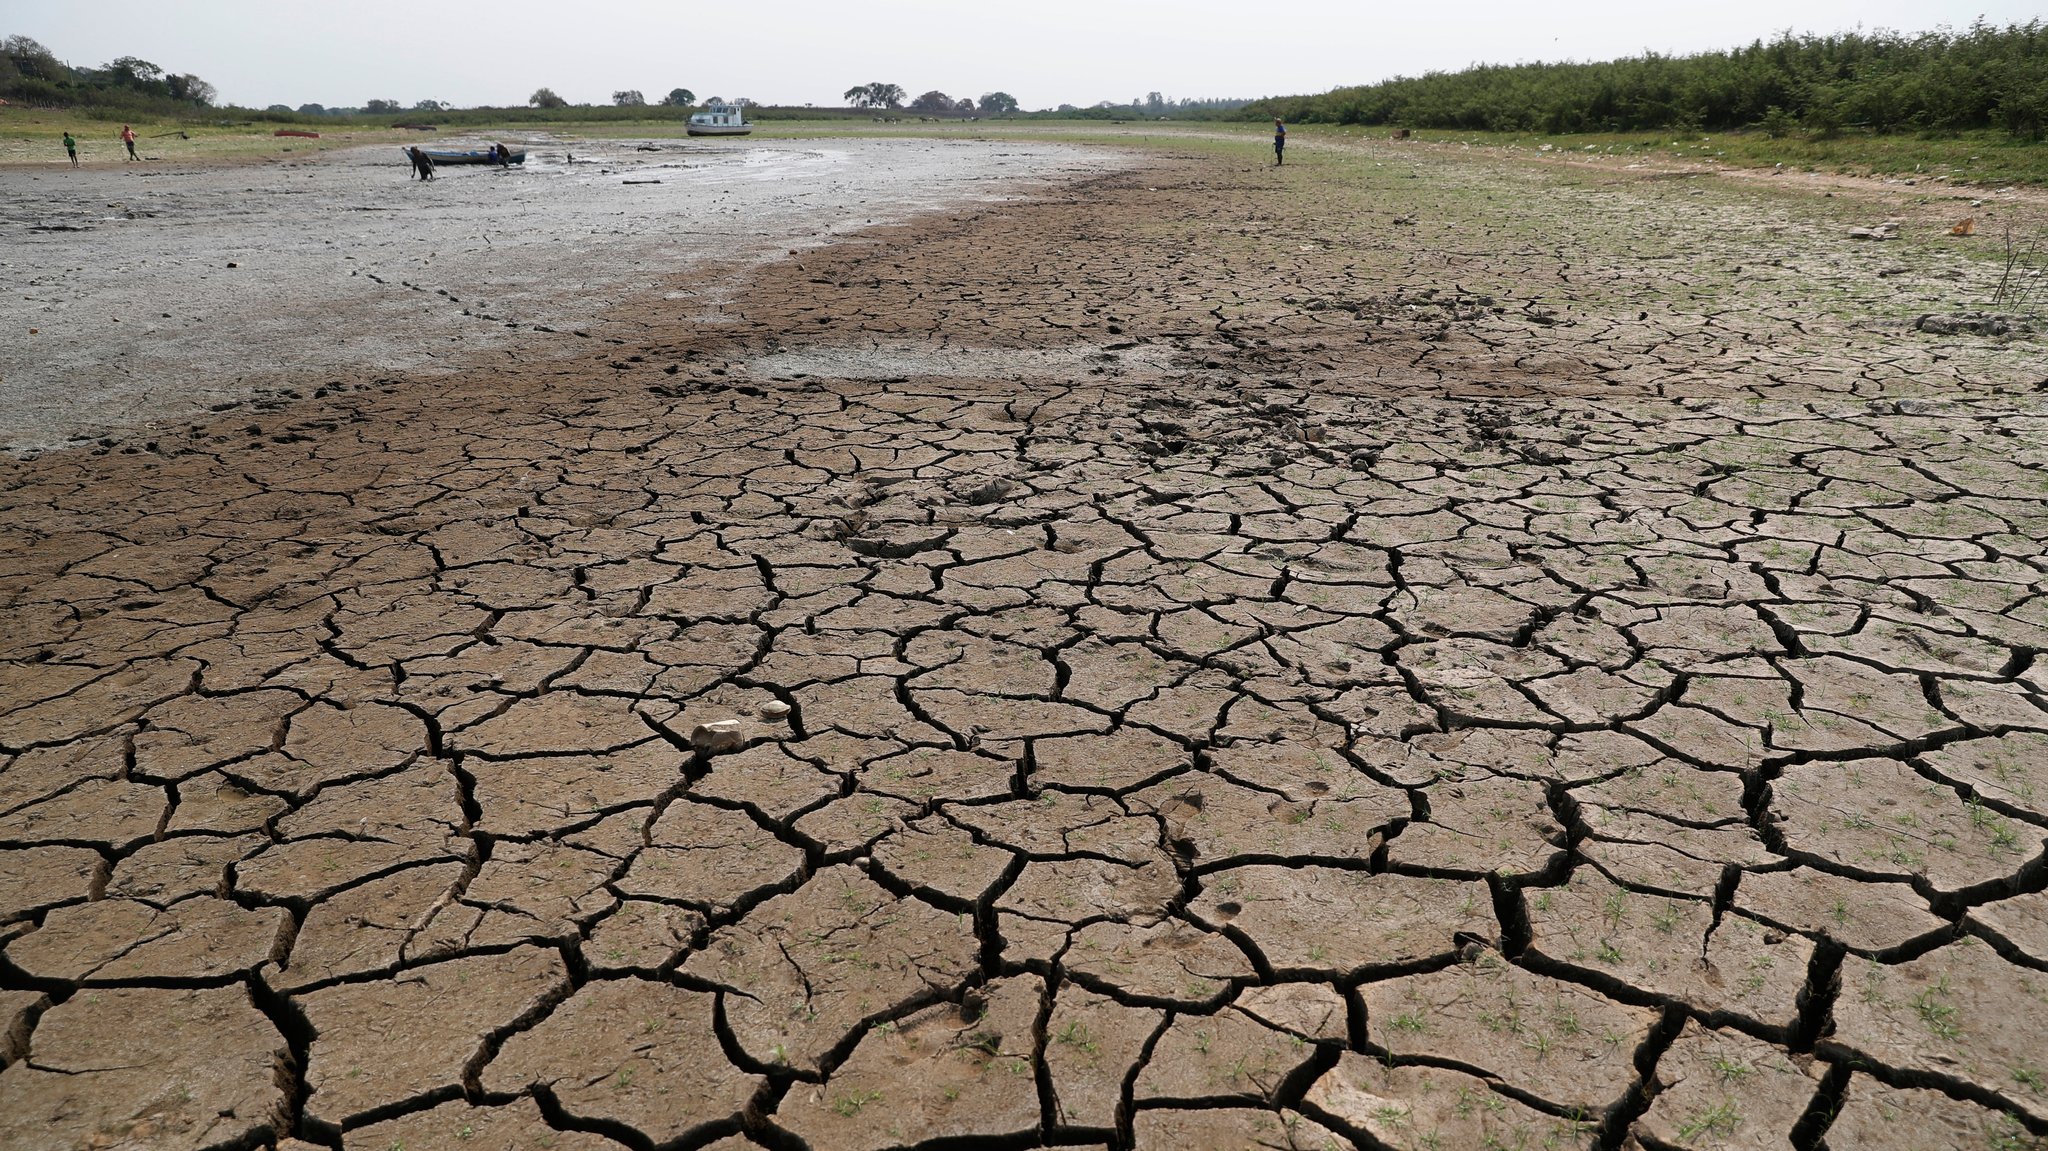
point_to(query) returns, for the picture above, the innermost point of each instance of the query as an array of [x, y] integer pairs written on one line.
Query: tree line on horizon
[[1983, 77], [32, 74]]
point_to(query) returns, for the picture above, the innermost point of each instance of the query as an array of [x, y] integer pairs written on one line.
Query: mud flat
[[155, 291], [1406, 651]]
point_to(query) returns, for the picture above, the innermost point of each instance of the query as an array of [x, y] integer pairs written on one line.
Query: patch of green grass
[[2010, 1135], [1719, 1120], [1987, 157], [1939, 1016], [1616, 906], [1730, 1070], [1075, 1035], [33, 135], [849, 1105]]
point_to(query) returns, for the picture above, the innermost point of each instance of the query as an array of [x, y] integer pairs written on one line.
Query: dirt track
[[1428, 653]]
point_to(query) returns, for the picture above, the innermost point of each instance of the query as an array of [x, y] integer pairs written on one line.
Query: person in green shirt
[[71, 149]]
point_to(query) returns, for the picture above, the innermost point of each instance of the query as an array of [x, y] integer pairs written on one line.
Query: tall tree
[[186, 86], [932, 101], [546, 98], [875, 95], [133, 72], [31, 58], [998, 103], [381, 107], [679, 98], [628, 98]]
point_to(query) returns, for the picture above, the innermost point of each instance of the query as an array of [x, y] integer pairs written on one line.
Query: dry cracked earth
[[1387, 654]]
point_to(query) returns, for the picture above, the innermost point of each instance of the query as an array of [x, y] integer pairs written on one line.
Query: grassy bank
[[35, 136], [31, 136], [1977, 159]]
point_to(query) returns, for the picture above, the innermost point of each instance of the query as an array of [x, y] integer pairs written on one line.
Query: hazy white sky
[[1044, 52]]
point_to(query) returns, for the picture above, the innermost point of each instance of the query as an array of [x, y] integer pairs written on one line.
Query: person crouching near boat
[[422, 164]]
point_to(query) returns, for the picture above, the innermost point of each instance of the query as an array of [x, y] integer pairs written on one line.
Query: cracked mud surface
[[1212, 667]]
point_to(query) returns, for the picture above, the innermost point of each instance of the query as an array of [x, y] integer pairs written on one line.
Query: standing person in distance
[[1279, 142], [128, 138], [71, 148]]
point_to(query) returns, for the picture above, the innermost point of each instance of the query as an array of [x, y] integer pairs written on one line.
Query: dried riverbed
[[1412, 650]]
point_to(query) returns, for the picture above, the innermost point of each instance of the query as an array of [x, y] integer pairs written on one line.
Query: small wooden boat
[[296, 132], [443, 156], [720, 120]]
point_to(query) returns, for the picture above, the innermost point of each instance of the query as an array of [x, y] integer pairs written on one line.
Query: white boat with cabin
[[720, 119]]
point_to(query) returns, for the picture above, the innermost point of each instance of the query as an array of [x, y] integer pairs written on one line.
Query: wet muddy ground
[[143, 294], [1407, 651]]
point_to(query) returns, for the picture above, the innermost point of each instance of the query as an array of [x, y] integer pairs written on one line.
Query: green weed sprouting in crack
[[1721, 1119], [2010, 1135], [1730, 1071], [1939, 1017], [849, 1105], [1616, 906], [1076, 1035], [987, 1042], [1666, 919]]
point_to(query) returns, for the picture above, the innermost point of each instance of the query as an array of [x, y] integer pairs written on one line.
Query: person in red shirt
[[128, 138]]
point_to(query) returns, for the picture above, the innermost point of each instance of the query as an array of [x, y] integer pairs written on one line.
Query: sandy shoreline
[[156, 292]]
